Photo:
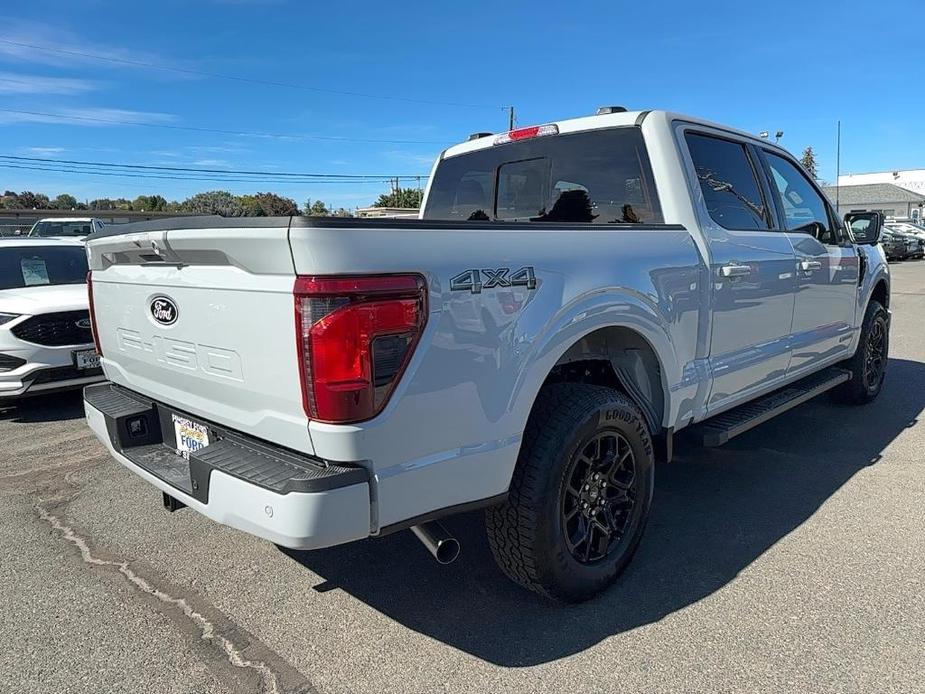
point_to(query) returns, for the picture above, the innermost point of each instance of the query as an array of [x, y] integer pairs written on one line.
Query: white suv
[[46, 342], [80, 227]]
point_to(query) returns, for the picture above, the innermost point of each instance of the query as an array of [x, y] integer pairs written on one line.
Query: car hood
[[44, 299]]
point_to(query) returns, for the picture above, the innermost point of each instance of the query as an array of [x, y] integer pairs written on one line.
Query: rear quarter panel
[[451, 432]]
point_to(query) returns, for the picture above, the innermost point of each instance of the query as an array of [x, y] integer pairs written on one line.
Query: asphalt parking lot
[[791, 560]]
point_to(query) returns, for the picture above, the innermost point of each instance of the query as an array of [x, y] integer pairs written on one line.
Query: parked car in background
[[80, 227], [894, 245], [46, 342], [908, 228], [915, 243]]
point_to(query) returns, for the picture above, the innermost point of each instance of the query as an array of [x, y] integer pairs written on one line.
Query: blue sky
[[793, 66]]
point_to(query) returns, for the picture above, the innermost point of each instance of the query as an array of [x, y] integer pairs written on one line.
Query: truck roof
[[598, 122]]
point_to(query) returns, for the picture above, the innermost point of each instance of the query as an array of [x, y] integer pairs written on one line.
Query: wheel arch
[[881, 293], [621, 358]]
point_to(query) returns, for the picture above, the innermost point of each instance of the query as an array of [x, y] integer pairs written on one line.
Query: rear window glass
[[62, 229], [29, 266], [601, 177]]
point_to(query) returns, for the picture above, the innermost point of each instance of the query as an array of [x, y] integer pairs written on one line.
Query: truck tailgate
[[203, 319]]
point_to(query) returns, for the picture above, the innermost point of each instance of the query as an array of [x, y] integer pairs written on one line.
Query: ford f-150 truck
[[573, 296]]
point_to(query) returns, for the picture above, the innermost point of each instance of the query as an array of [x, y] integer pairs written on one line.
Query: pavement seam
[[268, 678]]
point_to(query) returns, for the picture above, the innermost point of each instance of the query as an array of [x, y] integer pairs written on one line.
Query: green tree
[[219, 202], [273, 205], [65, 201], [149, 203], [401, 197], [808, 160], [316, 209], [251, 206], [342, 212], [102, 204], [32, 201]]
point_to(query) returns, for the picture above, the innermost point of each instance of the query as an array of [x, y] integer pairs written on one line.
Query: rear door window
[[599, 177], [729, 183]]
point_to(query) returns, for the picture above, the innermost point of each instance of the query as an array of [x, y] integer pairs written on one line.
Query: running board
[[719, 429]]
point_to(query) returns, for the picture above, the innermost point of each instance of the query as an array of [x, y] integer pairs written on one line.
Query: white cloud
[[19, 83], [211, 162], [43, 150], [219, 149], [413, 158], [90, 117], [40, 44]]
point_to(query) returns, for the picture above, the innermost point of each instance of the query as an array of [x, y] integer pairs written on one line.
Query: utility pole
[[510, 120], [837, 163]]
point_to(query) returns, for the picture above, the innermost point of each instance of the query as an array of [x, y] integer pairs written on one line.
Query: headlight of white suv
[[7, 317]]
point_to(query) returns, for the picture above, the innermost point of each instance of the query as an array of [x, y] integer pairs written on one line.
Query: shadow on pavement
[[715, 512], [54, 407]]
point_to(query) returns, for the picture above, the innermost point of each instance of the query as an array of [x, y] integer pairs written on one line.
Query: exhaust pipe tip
[[447, 551], [438, 541]]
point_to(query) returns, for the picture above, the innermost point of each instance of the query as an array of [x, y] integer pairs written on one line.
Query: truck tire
[[580, 494], [868, 365]]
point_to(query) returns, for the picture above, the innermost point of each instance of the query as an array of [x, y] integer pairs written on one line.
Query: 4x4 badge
[[472, 280]]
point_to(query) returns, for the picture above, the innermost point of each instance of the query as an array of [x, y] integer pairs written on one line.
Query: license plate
[[87, 359], [191, 436]]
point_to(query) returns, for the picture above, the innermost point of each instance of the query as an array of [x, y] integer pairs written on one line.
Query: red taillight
[[355, 337], [93, 329], [527, 133]]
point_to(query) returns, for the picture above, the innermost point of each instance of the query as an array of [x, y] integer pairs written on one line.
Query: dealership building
[[899, 194]]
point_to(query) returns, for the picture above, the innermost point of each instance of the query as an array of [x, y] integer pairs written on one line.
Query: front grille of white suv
[[56, 329]]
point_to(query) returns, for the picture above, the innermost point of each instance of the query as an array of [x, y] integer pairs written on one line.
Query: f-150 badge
[[476, 280]]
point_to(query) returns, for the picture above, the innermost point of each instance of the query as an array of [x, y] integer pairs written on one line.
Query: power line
[[200, 170], [120, 174], [238, 78], [281, 136]]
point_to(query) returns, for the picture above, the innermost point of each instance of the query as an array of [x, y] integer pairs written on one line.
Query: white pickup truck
[[573, 295]]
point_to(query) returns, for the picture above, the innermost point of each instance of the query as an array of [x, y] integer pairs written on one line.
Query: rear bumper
[[292, 500]]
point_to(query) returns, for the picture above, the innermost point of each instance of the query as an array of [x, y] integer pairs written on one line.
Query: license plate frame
[[86, 359], [189, 435]]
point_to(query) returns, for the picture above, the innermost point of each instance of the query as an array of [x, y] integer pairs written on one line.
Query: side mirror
[[865, 227]]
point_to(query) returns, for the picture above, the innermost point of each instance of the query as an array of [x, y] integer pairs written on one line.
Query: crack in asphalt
[[269, 681]]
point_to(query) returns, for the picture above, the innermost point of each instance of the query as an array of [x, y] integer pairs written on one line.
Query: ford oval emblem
[[164, 310], [83, 323]]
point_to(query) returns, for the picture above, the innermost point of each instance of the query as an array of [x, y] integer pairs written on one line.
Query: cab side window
[[804, 208], [728, 182]]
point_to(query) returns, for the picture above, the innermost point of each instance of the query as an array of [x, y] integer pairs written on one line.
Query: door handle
[[810, 265], [733, 270]]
